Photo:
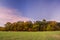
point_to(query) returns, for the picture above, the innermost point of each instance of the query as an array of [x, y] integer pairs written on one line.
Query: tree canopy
[[31, 26]]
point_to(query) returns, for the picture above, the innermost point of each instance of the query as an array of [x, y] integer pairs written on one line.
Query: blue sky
[[29, 10]]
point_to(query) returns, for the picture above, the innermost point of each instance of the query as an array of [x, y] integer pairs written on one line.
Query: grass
[[54, 35]]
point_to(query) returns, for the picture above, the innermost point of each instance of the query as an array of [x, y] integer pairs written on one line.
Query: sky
[[26, 10]]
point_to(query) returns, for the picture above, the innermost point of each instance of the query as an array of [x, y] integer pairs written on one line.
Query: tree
[[20, 25], [28, 25], [37, 26], [51, 26], [14, 26], [43, 25], [58, 26], [8, 26], [2, 29]]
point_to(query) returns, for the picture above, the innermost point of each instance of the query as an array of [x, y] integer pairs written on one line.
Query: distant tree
[[2, 29], [37, 25], [8, 26], [20, 25], [58, 26], [51, 26], [44, 20], [43, 25], [28, 26], [14, 26]]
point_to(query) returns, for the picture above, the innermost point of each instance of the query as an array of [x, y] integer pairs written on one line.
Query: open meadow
[[48, 35]]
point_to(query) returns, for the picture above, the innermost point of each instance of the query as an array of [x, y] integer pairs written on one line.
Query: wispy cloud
[[8, 15]]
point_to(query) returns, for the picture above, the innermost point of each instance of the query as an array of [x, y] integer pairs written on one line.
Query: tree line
[[32, 26]]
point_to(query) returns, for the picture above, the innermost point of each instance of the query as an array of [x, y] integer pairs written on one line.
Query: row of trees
[[29, 26]]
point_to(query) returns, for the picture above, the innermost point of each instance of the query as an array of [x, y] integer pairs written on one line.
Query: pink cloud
[[7, 15]]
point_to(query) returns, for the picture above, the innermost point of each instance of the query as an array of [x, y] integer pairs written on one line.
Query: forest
[[31, 26]]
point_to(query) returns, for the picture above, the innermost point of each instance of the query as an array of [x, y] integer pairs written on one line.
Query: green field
[[30, 35]]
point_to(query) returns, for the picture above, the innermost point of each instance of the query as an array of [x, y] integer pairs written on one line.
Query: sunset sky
[[25, 10]]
